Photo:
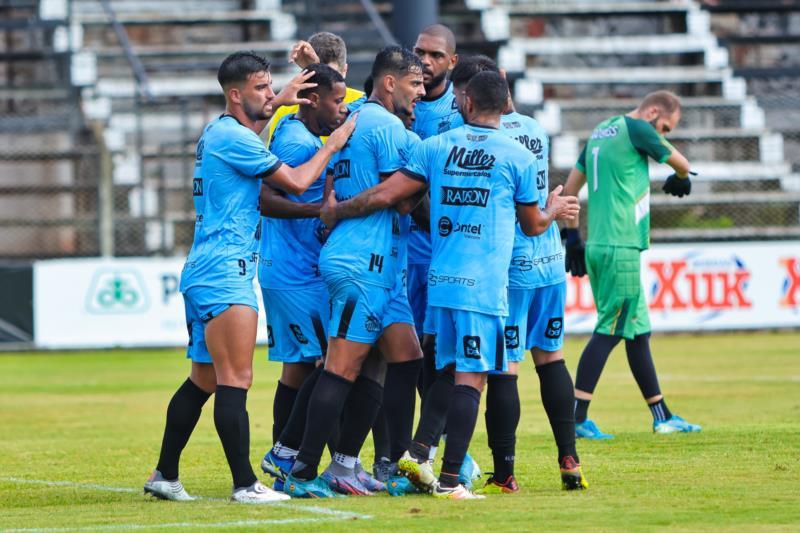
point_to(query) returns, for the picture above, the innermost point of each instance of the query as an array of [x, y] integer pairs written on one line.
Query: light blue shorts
[[535, 320], [418, 294], [399, 310], [297, 323], [201, 304], [472, 341], [358, 310]]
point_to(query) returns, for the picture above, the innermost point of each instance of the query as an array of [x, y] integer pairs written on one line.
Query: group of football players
[[406, 244]]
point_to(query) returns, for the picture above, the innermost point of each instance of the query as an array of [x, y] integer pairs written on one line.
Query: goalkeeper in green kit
[[614, 165]]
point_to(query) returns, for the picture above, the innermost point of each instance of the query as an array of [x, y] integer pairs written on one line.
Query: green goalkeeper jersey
[[615, 163]]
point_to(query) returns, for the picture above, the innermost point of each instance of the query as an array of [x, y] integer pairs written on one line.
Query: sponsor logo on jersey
[[471, 231], [465, 196], [341, 169], [541, 181], [512, 337], [298, 333], [476, 138], [476, 159], [372, 324], [522, 263], [472, 347], [435, 279], [197, 187], [555, 327], [605, 133], [198, 156], [533, 144]]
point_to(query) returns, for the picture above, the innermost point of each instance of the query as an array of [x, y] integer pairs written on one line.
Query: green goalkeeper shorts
[[615, 276]]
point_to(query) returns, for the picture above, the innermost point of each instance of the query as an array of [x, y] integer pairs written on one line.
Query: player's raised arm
[[297, 180], [394, 189], [535, 221]]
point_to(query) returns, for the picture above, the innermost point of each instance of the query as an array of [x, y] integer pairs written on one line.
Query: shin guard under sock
[[502, 419], [434, 412], [282, 408], [558, 398], [183, 413], [360, 411], [461, 419], [400, 403], [324, 410], [233, 428], [292, 434]]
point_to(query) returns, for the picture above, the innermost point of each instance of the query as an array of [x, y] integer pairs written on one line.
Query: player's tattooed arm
[[534, 221], [422, 212], [396, 188], [274, 204]]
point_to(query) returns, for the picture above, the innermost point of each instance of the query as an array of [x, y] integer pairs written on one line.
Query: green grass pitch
[[81, 433]]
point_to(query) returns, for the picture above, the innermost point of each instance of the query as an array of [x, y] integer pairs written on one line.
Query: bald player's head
[[441, 31], [436, 49]]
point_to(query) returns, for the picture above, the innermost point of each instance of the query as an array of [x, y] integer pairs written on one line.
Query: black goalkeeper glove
[[679, 187], [576, 253]]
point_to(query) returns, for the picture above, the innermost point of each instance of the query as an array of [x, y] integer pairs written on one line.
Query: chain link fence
[[73, 187]]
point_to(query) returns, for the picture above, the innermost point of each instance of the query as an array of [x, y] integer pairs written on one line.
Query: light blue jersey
[[537, 261], [432, 118], [476, 175], [365, 249], [231, 160], [290, 247]]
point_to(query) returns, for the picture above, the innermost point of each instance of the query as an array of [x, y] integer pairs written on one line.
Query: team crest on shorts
[[512, 337], [472, 347], [555, 327], [298, 334], [372, 324]]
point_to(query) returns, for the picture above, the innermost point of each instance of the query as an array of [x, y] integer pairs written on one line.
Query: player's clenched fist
[[562, 207], [327, 213]]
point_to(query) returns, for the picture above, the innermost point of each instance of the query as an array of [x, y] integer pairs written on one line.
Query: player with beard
[[436, 113], [480, 182], [359, 264], [614, 163], [217, 279]]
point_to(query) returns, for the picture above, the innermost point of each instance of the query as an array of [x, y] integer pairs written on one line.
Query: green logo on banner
[[116, 292]]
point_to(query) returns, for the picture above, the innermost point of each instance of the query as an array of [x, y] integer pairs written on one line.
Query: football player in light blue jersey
[[360, 265], [295, 297], [536, 299], [479, 180], [436, 113], [217, 279]]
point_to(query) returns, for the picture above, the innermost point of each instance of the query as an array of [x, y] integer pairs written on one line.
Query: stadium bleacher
[[107, 157], [577, 62]]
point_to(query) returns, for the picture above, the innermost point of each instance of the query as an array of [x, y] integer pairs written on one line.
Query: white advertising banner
[[98, 303], [701, 287]]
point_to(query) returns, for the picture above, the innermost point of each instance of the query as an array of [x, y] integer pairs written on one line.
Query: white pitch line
[[333, 514], [127, 527], [730, 379]]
